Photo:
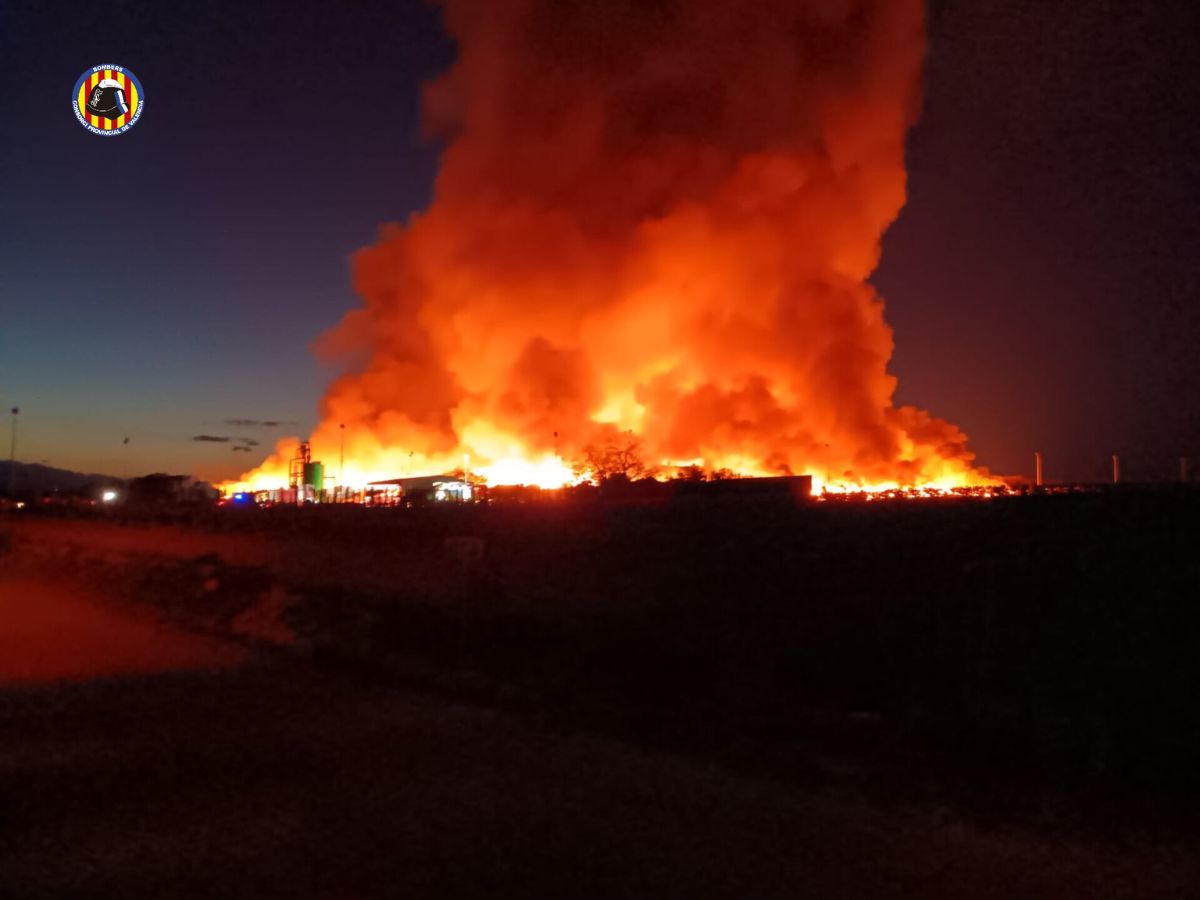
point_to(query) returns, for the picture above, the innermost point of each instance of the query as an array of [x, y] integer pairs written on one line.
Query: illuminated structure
[[420, 491]]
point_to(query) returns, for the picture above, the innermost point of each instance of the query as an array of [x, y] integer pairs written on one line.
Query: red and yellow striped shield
[[98, 79]]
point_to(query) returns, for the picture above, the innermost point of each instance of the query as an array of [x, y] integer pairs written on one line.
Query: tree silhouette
[[620, 456]]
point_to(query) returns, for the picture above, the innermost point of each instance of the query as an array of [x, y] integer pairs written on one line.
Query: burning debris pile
[[650, 218]]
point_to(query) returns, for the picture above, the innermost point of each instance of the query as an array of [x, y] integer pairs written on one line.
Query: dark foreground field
[[926, 699], [288, 781]]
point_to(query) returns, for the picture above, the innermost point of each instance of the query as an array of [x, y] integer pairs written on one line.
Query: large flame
[[655, 217]]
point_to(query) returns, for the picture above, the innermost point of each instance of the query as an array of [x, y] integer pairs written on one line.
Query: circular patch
[[108, 100]]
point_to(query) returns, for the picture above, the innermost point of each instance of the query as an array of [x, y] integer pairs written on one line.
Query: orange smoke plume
[[655, 216]]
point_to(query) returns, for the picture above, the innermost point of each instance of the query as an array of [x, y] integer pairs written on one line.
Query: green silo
[[314, 476]]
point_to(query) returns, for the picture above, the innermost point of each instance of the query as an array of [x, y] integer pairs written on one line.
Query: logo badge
[[108, 100]]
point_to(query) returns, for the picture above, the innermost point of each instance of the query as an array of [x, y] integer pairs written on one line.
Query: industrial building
[[419, 491], [306, 483]]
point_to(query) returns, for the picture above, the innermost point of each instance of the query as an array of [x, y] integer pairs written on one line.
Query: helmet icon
[[107, 99]]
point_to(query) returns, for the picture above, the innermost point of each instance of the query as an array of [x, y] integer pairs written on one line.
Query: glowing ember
[[650, 218]]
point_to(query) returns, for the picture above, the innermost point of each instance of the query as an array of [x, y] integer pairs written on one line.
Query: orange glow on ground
[[53, 632]]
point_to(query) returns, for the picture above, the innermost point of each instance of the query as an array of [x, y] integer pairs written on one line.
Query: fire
[[649, 218]]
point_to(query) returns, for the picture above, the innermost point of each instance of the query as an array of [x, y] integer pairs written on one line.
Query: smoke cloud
[[657, 216]]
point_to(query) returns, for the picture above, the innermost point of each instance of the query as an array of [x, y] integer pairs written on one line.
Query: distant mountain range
[[34, 478]]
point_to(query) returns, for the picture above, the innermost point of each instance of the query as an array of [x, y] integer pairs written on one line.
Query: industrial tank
[[314, 476]]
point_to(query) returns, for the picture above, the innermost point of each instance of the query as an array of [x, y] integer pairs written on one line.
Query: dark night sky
[[1041, 282]]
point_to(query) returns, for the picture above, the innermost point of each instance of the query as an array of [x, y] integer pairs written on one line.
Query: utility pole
[[12, 458]]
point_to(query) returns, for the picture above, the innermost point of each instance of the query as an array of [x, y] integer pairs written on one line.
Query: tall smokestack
[[1037, 468], [1116, 461], [650, 217]]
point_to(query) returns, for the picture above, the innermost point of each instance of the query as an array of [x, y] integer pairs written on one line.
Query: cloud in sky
[[260, 423], [241, 444]]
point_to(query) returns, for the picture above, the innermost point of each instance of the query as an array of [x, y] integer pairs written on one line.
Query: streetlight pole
[[12, 457]]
